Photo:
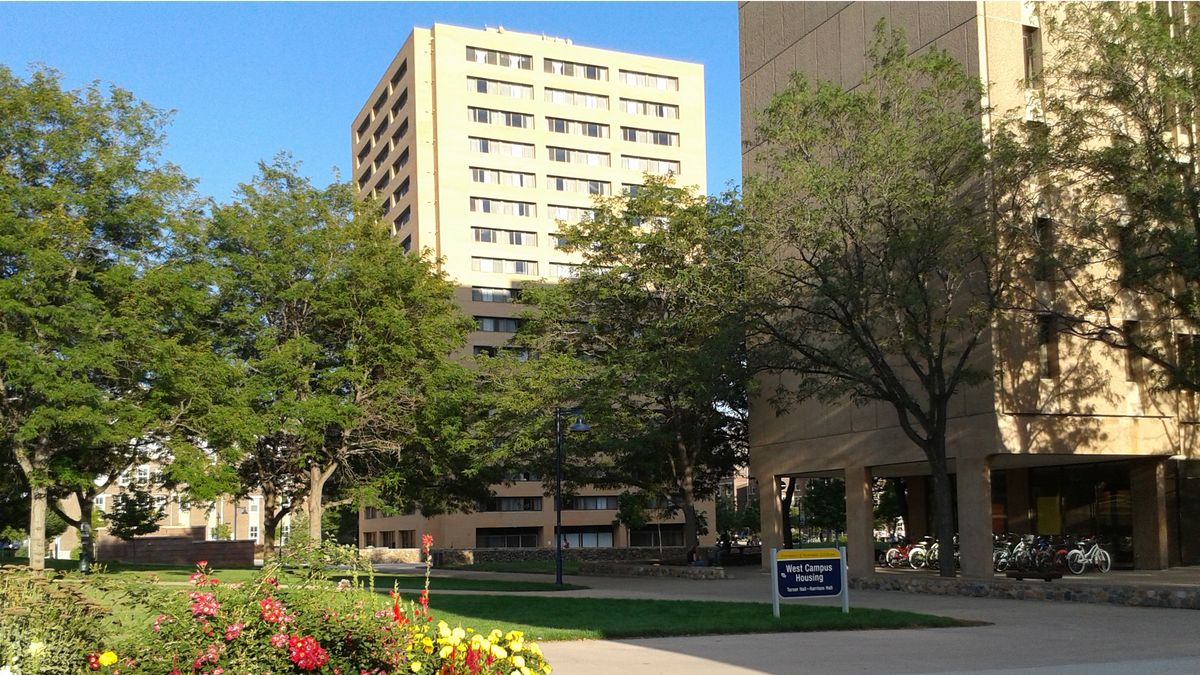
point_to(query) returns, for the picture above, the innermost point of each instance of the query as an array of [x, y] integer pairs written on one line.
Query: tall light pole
[[578, 426]]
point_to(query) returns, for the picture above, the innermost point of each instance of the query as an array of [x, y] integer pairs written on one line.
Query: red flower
[[426, 541], [201, 563], [204, 604], [273, 611], [93, 661], [306, 652], [233, 630]]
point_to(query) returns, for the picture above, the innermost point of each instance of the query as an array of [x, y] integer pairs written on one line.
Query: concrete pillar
[[1147, 482], [771, 519], [1017, 488], [974, 475], [916, 521], [860, 522]]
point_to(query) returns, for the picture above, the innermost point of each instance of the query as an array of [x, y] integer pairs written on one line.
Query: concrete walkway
[[1022, 636]]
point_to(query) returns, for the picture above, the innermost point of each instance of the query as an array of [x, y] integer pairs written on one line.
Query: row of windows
[[576, 98], [503, 207], [390, 539], [488, 294], [499, 88], [559, 125], [650, 136], [504, 266], [556, 183], [500, 117], [491, 146], [520, 353], [570, 214], [501, 177], [512, 237], [497, 324], [495, 57], [591, 503], [649, 108]]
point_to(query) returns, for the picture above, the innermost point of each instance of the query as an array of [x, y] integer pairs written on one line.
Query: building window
[[494, 147], [369, 539], [576, 98], [578, 156], [511, 237], [570, 214], [588, 536], [504, 266], [584, 185], [498, 58], [400, 72], [564, 270], [370, 513], [484, 350], [399, 104], [572, 69], [650, 136], [406, 538], [657, 535], [507, 537], [143, 475], [496, 324], [404, 217], [559, 125], [99, 502], [1047, 326], [649, 165], [400, 191], [650, 81], [591, 503], [1133, 360], [481, 85], [501, 117], [1032, 52], [649, 108], [513, 504], [1045, 239], [486, 294], [400, 163], [500, 177], [254, 532], [407, 244], [503, 207]]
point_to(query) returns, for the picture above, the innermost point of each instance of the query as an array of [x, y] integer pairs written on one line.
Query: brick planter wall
[[176, 551], [626, 569], [674, 554], [1058, 590]]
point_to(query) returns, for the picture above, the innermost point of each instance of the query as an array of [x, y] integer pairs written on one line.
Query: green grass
[[520, 567], [416, 582], [550, 618]]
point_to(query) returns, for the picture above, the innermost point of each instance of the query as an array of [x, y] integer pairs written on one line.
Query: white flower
[[5, 670], [36, 648]]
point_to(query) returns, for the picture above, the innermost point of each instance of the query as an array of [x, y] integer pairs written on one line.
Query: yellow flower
[[415, 666], [108, 658], [458, 634], [443, 629], [445, 651], [36, 648], [519, 661], [547, 669], [498, 652]]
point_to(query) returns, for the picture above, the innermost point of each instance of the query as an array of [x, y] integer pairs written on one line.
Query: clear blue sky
[[248, 80]]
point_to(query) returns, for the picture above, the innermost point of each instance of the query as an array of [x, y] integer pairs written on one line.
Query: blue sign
[[809, 577]]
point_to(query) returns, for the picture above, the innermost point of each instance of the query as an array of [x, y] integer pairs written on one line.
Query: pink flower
[[160, 620], [204, 604], [279, 640], [306, 652], [233, 630], [273, 611]]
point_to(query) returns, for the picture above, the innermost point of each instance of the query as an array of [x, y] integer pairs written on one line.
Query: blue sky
[[250, 79]]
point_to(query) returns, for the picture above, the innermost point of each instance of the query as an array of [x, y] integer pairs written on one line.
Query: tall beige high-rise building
[[478, 143]]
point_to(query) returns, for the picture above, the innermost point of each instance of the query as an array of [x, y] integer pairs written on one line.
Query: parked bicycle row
[[1033, 553]]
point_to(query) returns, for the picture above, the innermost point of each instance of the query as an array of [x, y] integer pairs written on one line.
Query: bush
[[311, 625], [46, 622]]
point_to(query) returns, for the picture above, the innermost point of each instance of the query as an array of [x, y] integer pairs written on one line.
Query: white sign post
[[809, 573]]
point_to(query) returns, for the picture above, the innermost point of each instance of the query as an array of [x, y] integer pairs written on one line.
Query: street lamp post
[[577, 426]]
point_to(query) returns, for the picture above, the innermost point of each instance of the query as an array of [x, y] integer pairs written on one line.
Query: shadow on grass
[[550, 618]]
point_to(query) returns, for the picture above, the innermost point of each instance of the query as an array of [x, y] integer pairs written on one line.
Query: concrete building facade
[[1067, 438], [478, 143]]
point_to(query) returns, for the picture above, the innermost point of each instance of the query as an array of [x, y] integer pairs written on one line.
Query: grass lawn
[[550, 618], [405, 582], [520, 566]]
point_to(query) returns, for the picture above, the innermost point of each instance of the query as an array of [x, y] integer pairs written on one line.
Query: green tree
[[646, 340], [877, 273], [824, 504], [1104, 182], [96, 340], [134, 513], [343, 340]]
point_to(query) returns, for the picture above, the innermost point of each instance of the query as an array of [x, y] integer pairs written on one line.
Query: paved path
[[1022, 636]]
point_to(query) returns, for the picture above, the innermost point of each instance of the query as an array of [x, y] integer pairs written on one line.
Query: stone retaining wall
[[625, 569], [1058, 590]]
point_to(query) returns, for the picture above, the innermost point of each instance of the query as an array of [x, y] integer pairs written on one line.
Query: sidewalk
[[1022, 636]]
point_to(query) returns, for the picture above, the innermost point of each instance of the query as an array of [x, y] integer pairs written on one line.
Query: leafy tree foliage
[[646, 340], [97, 347], [134, 514], [1105, 181], [877, 275], [343, 341]]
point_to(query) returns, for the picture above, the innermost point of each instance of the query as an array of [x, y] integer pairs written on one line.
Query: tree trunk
[[943, 509], [86, 506], [270, 523], [317, 476], [37, 527], [691, 526], [785, 503]]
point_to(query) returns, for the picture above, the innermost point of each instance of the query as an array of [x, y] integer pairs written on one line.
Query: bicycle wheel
[[1000, 560], [933, 560], [1103, 561], [1075, 562], [916, 558], [893, 558]]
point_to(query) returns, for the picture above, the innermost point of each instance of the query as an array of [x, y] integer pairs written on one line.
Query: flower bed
[[310, 626]]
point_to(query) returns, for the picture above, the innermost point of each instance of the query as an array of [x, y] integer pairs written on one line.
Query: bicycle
[[1089, 554]]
